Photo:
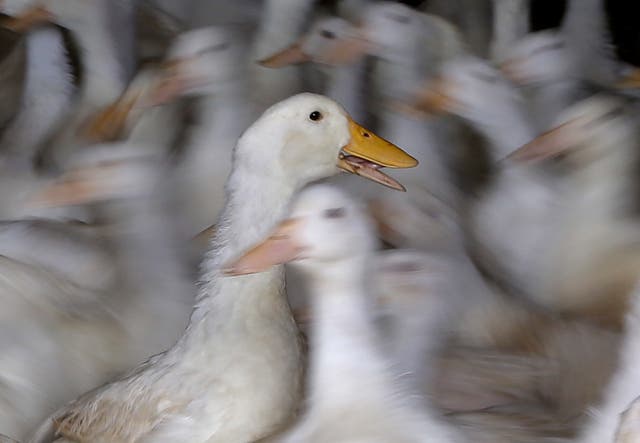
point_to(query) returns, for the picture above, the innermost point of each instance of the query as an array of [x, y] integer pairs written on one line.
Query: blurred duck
[[510, 24], [407, 45], [472, 17], [617, 414], [510, 218], [13, 54], [592, 260], [281, 21], [224, 394], [353, 392], [500, 367], [104, 34], [206, 64], [48, 92], [340, 63], [559, 67], [86, 331], [628, 429]]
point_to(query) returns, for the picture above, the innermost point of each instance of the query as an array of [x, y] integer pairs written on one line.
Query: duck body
[[235, 374], [348, 368]]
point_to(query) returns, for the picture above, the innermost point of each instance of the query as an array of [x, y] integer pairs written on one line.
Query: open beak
[[435, 98], [547, 145], [30, 18], [630, 80], [291, 55], [281, 247], [366, 154]]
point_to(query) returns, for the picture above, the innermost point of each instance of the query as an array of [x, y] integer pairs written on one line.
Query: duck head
[[199, 62], [536, 59], [324, 226], [585, 131], [316, 138], [103, 173], [466, 86], [331, 41]]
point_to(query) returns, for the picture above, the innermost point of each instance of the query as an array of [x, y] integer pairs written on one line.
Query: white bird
[[354, 393], [591, 262], [104, 32], [88, 314], [558, 67], [235, 373], [622, 389], [511, 218], [48, 93], [281, 22]]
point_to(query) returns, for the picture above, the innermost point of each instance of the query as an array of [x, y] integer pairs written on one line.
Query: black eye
[[315, 116], [335, 213], [327, 34]]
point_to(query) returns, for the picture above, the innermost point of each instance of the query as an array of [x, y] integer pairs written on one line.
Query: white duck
[[105, 37], [510, 220], [353, 393], [204, 63], [591, 265], [235, 373], [12, 73], [324, 45], [510, 23], [472, 17], [88, 329], [48, 93], [281, 21], [622, 390], [557, 67], [409, 45]]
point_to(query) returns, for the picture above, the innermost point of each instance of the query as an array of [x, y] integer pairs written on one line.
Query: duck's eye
[[315, 116], [327, 34], [335, 213]]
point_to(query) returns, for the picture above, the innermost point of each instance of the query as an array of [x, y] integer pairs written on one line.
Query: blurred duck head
[[537, 59], [324, 227], [586, 131]]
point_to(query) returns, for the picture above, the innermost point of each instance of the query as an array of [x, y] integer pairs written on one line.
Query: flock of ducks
[[162, 161]]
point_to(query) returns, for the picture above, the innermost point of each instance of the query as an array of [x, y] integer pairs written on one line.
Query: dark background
[[623, 15]]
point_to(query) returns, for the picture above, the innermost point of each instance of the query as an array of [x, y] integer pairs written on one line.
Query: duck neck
[[281, 19], [345, 360], [400, 73], [106, 50], [48, 74], [549, 99], [507, 129], [256, 200], [222, 112], [345, 87], [604, 187], [510, 23]]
